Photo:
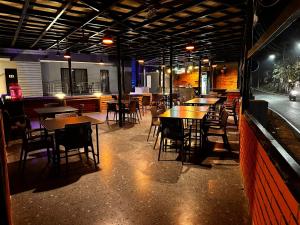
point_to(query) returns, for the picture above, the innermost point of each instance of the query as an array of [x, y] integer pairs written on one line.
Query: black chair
[[173, 129], [216, 129], [131, 111], [33, 140], [74, 137], [112, 107], [80, 109], [14, 125]]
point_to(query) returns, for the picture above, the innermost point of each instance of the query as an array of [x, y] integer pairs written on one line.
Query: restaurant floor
[[130, 186]]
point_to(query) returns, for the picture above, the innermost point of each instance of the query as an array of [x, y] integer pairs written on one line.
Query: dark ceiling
[[146, 28]]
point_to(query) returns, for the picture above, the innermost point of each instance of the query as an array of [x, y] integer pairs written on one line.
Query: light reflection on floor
[[130, 186]]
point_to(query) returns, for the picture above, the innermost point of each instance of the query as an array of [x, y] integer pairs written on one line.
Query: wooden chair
[[154, 120], [145, 102], [131, 111], [231, 108]]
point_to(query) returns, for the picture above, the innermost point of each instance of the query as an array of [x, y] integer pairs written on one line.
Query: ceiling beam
[[23, 15], [66, 6], [106, 4]]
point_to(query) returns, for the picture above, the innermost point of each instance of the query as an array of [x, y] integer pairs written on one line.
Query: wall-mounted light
[[157, 71], [107, 41], [196, 67], [97, 94], [190, 67], [101, 63], [67, 54], [214, 65], [60, 95], [168, 70], [141, 61]]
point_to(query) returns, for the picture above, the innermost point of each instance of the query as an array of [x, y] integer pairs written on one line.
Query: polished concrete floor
[[130, 186]]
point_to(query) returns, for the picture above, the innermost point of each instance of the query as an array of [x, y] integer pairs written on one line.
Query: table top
[[181, 114], [59, 123], [203, 101], [203, 108], [55, 110], [114, 101]]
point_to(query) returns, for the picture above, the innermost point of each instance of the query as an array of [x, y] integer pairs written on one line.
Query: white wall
[[51, 71], [5, 65]]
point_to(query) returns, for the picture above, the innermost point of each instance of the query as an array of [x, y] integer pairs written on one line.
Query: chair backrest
[[162, 107], [132, 106], [51, 105], [80, 109], [224, 118], [172, 128], [146, 100], [77, 135], [234, 103], [112, 107], [154, 111]]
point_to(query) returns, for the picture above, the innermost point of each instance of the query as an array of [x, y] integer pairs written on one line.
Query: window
[[79, 81], [104, 81]]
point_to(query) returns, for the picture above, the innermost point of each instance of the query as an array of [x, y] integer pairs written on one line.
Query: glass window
[[79, 81]]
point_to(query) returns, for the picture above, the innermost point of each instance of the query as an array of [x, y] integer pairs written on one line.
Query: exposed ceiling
[[146, 28]]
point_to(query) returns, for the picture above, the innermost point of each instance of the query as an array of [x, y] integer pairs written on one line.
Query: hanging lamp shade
[[190, 47], [67, 54], [107, 41]]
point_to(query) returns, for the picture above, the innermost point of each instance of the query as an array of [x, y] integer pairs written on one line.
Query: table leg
[[97, 138]]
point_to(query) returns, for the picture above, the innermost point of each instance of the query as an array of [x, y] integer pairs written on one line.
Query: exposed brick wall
[[187, 79], [226, 80], [270, 200]]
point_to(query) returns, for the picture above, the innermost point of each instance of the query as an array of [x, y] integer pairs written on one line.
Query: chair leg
[[157, 134], [24, 161], [154, 131], [94, 158], [107, 115], [235, 119], [137, 116], [67, 160], [21, 156], [149, 132], [160, 146]]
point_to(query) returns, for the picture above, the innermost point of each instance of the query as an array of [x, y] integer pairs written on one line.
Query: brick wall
[[270, 201], [187, 79], [226, 80]]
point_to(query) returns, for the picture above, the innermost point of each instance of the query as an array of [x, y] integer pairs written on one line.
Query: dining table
[[60, 123], [202, 101]]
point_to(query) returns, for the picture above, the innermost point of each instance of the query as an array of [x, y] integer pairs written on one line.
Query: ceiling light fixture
[[107, 41], [205, 60], [67, 54], [190, 47]]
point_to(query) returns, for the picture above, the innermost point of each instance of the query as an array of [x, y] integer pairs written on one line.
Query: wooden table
[[50, 111], [183, 114], [202, 101], [195, 113], [191, 108], [60, 123]]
